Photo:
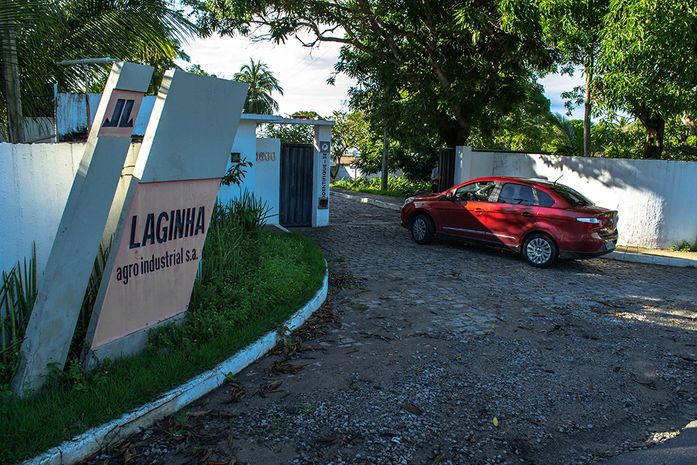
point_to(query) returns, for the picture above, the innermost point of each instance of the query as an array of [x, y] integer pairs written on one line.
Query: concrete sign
[[52, 323], [168, 208], [157, 258]]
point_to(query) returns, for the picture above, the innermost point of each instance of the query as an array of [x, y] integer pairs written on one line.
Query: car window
[[574, 198], [544, 199], [476, 191], [516, 194]]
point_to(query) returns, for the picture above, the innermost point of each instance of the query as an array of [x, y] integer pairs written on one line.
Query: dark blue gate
[[446, 166], [296, 184]]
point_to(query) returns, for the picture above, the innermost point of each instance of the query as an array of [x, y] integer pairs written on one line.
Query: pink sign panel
[[157, 258], [121, 113]]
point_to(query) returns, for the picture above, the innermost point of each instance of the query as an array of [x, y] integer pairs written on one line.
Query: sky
[[303, 72]]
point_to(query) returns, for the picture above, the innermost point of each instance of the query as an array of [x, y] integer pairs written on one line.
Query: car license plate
[[609, 245]]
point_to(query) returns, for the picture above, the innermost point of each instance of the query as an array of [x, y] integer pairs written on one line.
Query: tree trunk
[[587, 113], [655, 125], [9, 73], [383, 183], [455, 134]]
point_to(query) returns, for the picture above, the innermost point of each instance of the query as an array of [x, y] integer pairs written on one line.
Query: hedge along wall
[[656, 199]]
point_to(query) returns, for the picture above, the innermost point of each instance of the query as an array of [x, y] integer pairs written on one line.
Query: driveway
[[451, 354]]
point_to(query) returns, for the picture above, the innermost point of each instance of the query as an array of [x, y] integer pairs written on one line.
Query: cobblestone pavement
[[453, 354]]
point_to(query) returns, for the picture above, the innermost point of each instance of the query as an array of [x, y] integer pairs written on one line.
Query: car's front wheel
[[422, 229], [540, 250]]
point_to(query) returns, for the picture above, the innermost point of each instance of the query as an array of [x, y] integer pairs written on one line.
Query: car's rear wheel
[[540, 250], [422, 229]]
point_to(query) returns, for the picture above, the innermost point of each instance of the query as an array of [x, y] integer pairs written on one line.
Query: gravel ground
[[452, 354]]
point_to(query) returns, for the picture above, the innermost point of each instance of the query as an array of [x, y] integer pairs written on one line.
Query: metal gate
[[446, 167], [296, 184]]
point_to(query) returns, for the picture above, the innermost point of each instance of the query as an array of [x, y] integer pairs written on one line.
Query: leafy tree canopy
[[437, 65], [50, 31], [649, 63]]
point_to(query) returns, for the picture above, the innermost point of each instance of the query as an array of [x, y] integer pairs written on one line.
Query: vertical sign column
[[149, 277], [320, 211], [52, 323]]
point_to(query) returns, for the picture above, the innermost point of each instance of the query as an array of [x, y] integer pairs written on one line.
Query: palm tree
[[41, 33], [262, 83]]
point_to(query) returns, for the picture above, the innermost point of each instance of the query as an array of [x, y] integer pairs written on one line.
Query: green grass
[[272, 277], [399, 187], [684, 246]]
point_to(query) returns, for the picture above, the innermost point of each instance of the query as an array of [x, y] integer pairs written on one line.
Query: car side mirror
[[448, 196]]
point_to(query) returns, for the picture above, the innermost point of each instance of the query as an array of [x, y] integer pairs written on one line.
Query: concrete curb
[[651, 259], [97, 438], [368, 200]]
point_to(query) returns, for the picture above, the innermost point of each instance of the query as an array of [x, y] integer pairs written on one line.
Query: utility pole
[[9, 73], [383, 184]]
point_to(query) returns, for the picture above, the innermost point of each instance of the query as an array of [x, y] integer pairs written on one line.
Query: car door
[[470, 204], [510, 216]]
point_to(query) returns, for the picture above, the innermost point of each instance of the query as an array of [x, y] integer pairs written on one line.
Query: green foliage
[[618, 138], [684, 246], [262, 83], [269, 275], [88, 301], [418, 71], [289, 133], [531, 126], [147, 31], [648, 63], [236, 173], [17, 296], [349, 131], [217, 299], [196, 69], [396, 186]]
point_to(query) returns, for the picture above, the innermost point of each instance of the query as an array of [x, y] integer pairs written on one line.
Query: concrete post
[[321, 170], [463, 164]]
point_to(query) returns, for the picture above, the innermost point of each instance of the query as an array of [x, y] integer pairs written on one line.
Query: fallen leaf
[[413, 409], [495, 422]]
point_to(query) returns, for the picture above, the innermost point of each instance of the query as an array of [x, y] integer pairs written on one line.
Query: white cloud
[[301, 71], [555, 84]]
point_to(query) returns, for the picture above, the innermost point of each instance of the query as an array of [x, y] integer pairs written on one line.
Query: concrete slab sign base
[[70, 262], [160, 235]]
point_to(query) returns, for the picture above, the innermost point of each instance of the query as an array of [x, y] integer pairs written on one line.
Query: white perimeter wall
[[246, 145], [656, 199], [35, 181], [268, 177]]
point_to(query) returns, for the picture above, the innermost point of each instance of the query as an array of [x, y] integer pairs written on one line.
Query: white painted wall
[[246, 144], [36, 181], [656, 199], [34, 184], [72, 110], [268, 177]]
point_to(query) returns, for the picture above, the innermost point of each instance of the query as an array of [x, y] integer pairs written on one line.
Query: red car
[[540, 219]]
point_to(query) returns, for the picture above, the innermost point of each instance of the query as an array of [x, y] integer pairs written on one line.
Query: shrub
[[397, 186]]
